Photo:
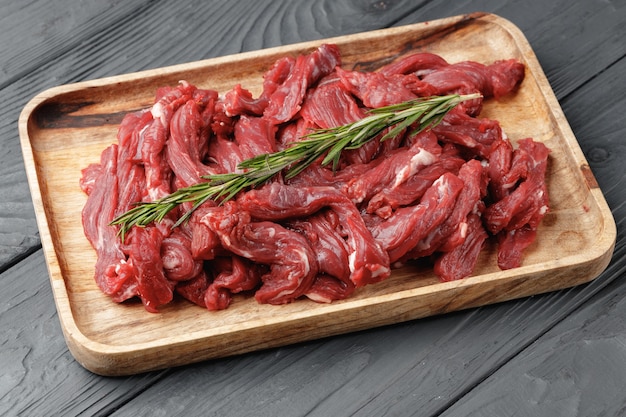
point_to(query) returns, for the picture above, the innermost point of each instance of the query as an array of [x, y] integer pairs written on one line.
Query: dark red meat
[[286, 100], [233, 274], [239, 101], [497, 79], [384, 202], [394, 170], [254, 136], [453, 230], [331, 105], [324, 232], [527, 202], [178, 261], [153, 287], [183, 145], [113, 275], [477, 135], [368, 261], [401, 232], [292, 263], [329, 231], [511, 245]]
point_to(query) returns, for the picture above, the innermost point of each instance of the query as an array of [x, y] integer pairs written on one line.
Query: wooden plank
[[575, 369], [39, 375], [40, 31], [18, 231], [578, 366]]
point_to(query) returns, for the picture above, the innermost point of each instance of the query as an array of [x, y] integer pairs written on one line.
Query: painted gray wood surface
[[556, 354]]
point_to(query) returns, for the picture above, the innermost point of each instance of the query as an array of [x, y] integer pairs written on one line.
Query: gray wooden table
[[558, 354]]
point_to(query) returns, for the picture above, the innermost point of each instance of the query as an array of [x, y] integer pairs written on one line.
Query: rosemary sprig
[[419, 114]]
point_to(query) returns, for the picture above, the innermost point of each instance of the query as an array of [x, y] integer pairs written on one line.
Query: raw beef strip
[[528, 202], [89, 176], [384, 202], [395, 169], [129, 135], [224, 154], [293, 131], [239, 101], [419, 64], [499, 164], [330, 105], [113, 275], [182, 147], [286, 101], [474, 188], [131, 176], [401, 232], [205, 244], [254, 136], [511, 245], [233, 274], [158, 172], [376, 89], [168, 99], [292, 262], [522, 161], [494, 80], [178, 262], [478, 135], [194, 289], [222, 124], [322, 230], [499, 215], [154, 137], [153, 287], [369, 263], [516, 216], [461, 261], [326, 289], [277, 75], [277, 201]]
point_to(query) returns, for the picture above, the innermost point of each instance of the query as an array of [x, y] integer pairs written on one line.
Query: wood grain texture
[[39, 375], [575, 369], [56, 27], [423, 365]]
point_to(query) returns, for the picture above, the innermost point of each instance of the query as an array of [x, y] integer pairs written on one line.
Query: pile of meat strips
[[437, 195]]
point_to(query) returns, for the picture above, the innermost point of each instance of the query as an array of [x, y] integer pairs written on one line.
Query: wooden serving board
[[64, 129]]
